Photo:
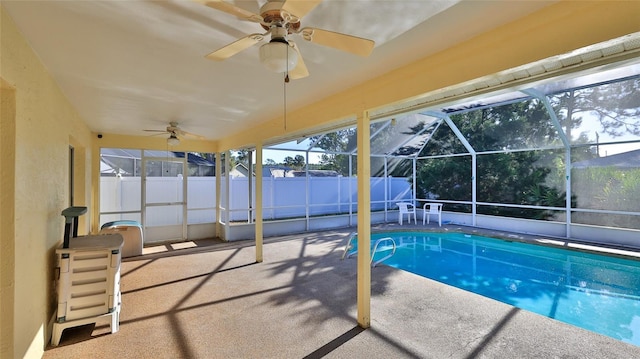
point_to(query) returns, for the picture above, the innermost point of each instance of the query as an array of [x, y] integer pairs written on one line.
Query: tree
[[534, 177], [297, 163], [341, 144], [513, 177], [616, 106], [241, 156], [335, 143]]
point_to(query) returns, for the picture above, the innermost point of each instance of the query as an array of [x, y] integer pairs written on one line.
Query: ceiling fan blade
[[235, 47], [300, 71], [232, 9], [159, 133], [299, 8], [353, 44], [162, 131], [189, 134]]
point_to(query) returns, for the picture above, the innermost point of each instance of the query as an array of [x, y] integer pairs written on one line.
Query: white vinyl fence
[[292, 197], [124, 194], [283, 197]]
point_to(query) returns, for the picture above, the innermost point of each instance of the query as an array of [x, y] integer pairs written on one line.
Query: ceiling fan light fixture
[[173, 140], [278, 56]]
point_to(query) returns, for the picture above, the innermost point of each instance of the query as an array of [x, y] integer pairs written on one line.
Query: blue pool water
[[595, 292]]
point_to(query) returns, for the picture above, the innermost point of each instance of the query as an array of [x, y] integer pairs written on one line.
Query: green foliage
[[607, 188], [296, 162], [446, 178], [239, 157], [334, 143], [517, 177]]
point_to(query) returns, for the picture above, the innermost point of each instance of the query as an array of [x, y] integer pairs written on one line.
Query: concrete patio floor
[[208, 299]]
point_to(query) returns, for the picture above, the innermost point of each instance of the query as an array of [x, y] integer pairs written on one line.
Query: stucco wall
[[7, 217], [45, 126]]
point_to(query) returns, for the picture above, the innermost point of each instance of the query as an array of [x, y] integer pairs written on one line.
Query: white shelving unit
[[88, 285]]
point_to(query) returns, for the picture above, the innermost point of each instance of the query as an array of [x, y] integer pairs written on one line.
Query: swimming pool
[[595, 292]]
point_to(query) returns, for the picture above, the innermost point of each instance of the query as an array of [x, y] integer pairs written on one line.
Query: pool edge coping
[[548, 241]]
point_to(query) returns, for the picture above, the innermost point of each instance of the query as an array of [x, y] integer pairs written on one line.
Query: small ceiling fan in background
[[175, 133], [281, 19]]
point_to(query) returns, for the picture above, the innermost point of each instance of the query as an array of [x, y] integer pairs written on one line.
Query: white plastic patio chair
[[430, 209], [408, 209]]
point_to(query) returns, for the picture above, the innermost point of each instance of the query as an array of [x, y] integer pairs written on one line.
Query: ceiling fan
[[281, 18], [175, 133]]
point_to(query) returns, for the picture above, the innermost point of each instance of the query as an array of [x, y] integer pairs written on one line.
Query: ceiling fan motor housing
[[272, 13]]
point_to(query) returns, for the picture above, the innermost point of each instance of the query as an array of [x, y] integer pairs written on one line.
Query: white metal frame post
[[567, 148], [258, 206]]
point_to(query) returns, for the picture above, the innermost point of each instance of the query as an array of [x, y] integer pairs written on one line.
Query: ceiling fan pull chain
[[284, 93], [286, 74], [284, 90]]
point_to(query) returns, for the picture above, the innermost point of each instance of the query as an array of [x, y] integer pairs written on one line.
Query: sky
[[279, 155]]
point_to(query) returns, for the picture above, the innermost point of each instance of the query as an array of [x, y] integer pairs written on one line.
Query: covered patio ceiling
[[127, 66]]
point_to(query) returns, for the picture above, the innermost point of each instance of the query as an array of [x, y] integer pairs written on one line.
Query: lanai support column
[[364, 221], [258, 207], [218, 190]]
